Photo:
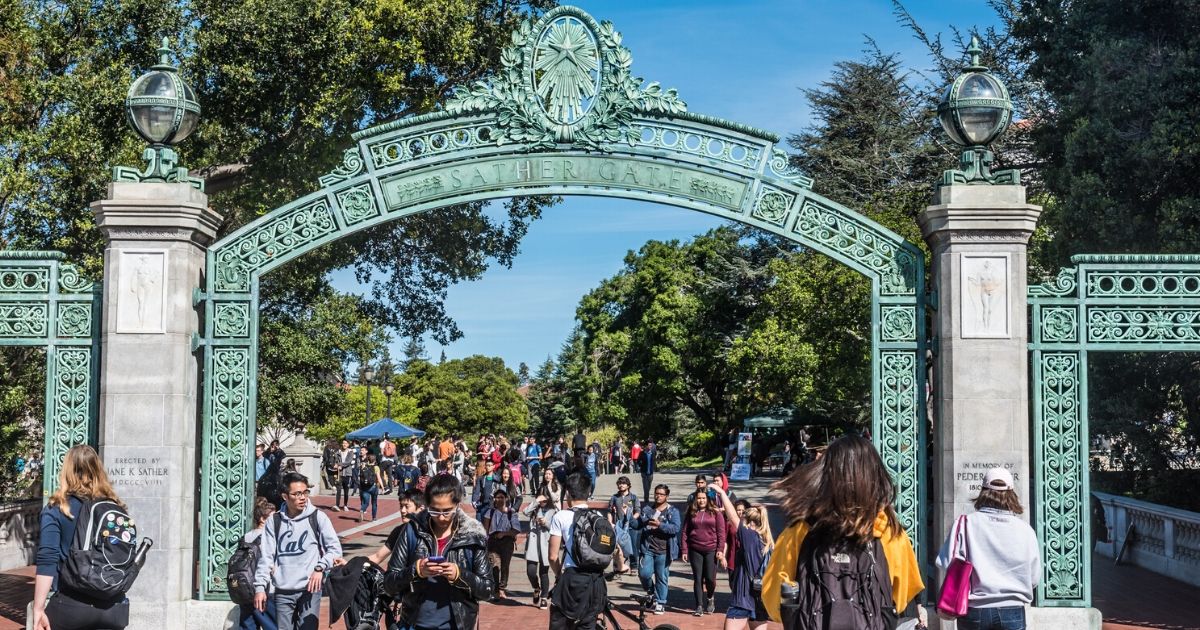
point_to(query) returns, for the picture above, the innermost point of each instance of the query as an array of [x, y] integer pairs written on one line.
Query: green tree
[[1119, 152], [404, 411], [414, 350], [468, 396], [283, 84], [666, 335], [550, 407]]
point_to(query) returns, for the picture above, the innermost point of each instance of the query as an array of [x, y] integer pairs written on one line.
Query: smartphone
[[435, 559]]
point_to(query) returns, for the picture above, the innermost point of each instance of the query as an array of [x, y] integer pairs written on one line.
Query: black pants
[[539, 577], [704, 574], [65, 613], [647, 484], [342, 496]]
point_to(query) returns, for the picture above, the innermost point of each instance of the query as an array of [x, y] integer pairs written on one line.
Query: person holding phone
[[441, 580]]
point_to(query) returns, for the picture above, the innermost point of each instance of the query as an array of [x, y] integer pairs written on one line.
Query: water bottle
[[789, 603]]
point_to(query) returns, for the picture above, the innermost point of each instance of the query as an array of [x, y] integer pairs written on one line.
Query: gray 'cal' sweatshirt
[[1003, 550], [293, 550]]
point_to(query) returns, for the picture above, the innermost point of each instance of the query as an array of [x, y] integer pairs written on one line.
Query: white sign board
[[740, 472], [744, 441]]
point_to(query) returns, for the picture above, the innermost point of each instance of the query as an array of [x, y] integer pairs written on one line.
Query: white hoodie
[[1003, 550], [294, 551]]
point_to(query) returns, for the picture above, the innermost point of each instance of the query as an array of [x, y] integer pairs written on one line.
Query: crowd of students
[[442, 561]]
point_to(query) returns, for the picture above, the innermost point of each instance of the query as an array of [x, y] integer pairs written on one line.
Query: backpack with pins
[[105, 555], [239, 577], [593, 541], [842, 587]]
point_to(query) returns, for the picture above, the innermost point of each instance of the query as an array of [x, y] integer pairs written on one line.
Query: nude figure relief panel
[[142, 290], [985, 296]]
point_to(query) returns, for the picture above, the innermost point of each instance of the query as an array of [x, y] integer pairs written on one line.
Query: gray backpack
[[842, 587]]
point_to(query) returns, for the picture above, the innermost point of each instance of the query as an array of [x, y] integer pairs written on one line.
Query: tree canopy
[[282, 85]]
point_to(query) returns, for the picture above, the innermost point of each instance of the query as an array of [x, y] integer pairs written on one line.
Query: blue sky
[[745, 61]]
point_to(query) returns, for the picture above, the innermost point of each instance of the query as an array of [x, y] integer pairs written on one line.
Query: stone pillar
[[978, 236], [149, 390]]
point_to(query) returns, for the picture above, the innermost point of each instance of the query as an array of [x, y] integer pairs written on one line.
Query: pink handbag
[[956, 589]]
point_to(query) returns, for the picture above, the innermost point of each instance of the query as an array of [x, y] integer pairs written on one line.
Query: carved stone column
[[979, 236], [157, 234]]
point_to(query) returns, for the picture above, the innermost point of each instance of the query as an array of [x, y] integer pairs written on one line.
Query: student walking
[[622, 510], [648, 464], [1003, 551], [369, 481], [345, 467], [754, 544], [502, 525], [442, 580], [840, 508], [659, 523], [590, 465], [580, 591], [249, 617], [537, 546], [298, 545], [704, 547], [59, 602]]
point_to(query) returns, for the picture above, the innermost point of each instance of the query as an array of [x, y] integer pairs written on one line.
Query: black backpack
[[842, 587], [240, 575], [593, 541], [366, 476], [105, 556]]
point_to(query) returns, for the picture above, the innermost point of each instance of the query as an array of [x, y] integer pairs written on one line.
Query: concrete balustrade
[[1165, 540]]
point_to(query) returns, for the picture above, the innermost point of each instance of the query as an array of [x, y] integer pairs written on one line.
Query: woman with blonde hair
[[839, 506], [81, 481], [755, 545]]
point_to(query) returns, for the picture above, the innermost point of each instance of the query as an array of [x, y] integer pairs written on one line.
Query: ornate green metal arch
[[1106, 303], [563, 117], [44, 302]]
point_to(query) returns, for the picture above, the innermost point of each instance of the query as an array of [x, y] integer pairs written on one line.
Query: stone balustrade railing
[[1162, 539], [18, 533]]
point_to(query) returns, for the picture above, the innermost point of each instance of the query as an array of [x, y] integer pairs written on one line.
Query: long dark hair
[[709, 506], [840, 495]]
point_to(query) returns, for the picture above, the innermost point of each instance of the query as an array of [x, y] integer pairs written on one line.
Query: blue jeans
[[369, 496], [1002, 618], [251, 619], [654, 565]]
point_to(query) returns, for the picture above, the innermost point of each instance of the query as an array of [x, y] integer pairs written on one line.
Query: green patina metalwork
[[45, 302], [564, 116], [1105, 303], [975, 110], [162, 92]]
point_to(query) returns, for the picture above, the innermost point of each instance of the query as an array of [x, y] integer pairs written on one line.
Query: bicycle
[[608, 617]]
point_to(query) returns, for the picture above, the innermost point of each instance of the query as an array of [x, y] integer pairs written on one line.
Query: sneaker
[[712, 604], [542, 603], [659, 609], [699, 612]]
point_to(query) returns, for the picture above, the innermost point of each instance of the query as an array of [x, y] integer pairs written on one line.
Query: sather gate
[[564, 116]]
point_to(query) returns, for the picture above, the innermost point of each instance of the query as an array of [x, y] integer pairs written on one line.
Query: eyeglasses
[[440, 513], [297, 495]]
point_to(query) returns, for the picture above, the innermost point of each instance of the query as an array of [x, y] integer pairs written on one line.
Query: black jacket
[[467, 549]]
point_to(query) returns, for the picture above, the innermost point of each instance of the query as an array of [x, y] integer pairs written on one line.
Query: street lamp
[[163, 110], [368, 375], [975, 110], [388, 391]]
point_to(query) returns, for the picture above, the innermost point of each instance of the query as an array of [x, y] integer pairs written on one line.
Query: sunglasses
[[440, 513]]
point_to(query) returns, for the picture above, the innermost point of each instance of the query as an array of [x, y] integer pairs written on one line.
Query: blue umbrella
[[394, 429]]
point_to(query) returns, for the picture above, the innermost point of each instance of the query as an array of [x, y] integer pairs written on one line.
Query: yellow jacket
[[901, 559]]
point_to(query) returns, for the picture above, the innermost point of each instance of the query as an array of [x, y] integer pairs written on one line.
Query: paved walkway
[[1131, 598]]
